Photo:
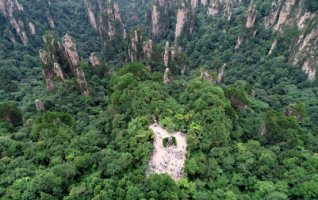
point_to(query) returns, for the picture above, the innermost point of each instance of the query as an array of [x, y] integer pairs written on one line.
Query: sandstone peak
[[94, 59], [39, 105], [204, 74], [251, 16], [220, 76], [90, 14], [182, 18], [166, 78], [70, 52]]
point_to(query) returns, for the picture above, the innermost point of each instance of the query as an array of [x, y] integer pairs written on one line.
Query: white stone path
[[162, 155]]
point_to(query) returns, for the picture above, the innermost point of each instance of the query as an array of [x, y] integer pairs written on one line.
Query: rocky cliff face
[[288, 14], [74, 62], [237, 104], [39, 105], [228, 5], [182, 18], [7, 8], [207, 76], [166, 55], [136, 38], [160, 21], [32, 28], [47, 70], [291, 111], [239, 42], [204, 2], [147, 50], [59, 74], [110, 21], [251, 16], [70, 52], [50, 21], [81, 81], [194, 4], [220, 76], [94, 60], [166, 78], [214, 7], [273, 47], [55, 56], [91, 16]]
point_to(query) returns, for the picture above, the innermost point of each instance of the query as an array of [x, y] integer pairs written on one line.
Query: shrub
[[164, 141]]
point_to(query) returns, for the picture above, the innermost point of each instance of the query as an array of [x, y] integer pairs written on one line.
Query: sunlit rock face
[[90, 13]]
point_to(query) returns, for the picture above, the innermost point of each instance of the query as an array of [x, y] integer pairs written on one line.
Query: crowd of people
[[170, 160]]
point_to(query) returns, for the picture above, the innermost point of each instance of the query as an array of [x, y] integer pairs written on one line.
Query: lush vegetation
[[164, 141], [97, 146]]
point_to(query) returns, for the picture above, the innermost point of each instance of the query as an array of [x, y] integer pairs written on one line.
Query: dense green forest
[[253, 135]]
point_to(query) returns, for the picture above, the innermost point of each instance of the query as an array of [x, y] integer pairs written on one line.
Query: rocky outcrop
[[50, 21], [81, 81], [59, 74], [28, 123], [194, 4], [166, 55], [207, 76], [239, 42], [39, 105], [252, 93], [94, 60], [228, 5], [310, 70], [262, 130], [90, 14], [71, 53], [302, 19], [292, 111], [166, 78], [306, 52], [125, 34], [20, 31], [7, 8], [101, 6], [110, 22], [11, 36], [251, 16], [32, 28], [182, 18], [160, 20], [270, 20], [65, 55], [214, 7], [74, 62], [204, 2], [155, 20], [273, 47], [47, 70], [220, 76], [136, 38], [237, 103], [117, 13], [173, 53], [284, 13], [147, 50]]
